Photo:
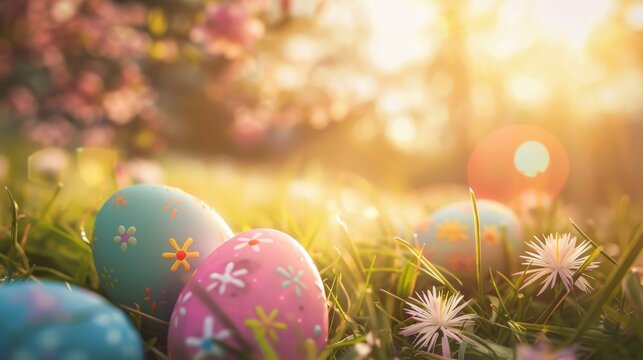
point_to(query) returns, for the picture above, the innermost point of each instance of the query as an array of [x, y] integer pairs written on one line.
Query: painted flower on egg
[[208, 344], [181, 254], [125, 237], [229, 276], [259, 292], [254, 242]]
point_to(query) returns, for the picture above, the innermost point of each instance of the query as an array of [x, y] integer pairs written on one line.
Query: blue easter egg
[[449, 240], [50, 320], [148, 240]]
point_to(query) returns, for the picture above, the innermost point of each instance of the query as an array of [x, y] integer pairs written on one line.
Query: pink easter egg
[[257, 293]]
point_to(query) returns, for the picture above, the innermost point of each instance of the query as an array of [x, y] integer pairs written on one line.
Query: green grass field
[[358, 238]]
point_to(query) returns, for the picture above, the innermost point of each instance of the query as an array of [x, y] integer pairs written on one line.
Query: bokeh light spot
[[515, 160], [573, 20], [48, 165], [531, 158], [401, 132], [634, 16], [96, 165], [528, 90], [399, 33]]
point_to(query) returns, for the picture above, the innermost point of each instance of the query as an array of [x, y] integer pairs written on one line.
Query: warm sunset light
[[399, 32], [321, 179], [634, 16], [572, 20]]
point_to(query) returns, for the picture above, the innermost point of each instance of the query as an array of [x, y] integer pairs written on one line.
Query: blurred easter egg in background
[[51, 320], [148, 240], [518, 159], [261, 292], [448, 237]]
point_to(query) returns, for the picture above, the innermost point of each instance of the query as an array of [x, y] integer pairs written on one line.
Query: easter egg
[[259, 292], [448, 237], [49, 320], [148, 240]]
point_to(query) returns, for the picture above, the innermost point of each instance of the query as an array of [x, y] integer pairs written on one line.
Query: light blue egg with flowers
[[448, 237], [148, 240], [51, 320]]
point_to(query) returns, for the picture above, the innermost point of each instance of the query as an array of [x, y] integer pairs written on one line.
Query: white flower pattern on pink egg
[[229, 276], [209, 343], [293, 279], [252, 242], [181, 309]]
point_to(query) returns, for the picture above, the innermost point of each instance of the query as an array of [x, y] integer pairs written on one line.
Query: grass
[[362, 243]]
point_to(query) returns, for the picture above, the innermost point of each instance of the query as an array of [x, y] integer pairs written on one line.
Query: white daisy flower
[[557, 258], [253, 242], [437, 316], [229, 276]]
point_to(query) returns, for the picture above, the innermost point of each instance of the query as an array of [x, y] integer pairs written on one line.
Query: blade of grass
[[432, 270], [595, 335], [14, 234], [634, 295], [507, 248], [142, 314], [406, 282], [476, 226], [494, 350], [462, 350], [348, 342], [611, 284], [391, 317], [353, 246], [77, 241], [544, 316], [586, 237], [340, 309], [518, 331], [500, 299], [158, 353], [51, 201]]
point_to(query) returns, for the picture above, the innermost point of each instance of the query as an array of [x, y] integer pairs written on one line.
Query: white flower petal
[[434, 314], [557, 258]]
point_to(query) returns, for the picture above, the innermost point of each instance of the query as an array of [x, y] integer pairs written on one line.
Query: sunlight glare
[[96, 164], [634, 16], [288, 77], [392, 102], [399, 33], [480, 7], [301, 48], [338, 14], [571, 19], [531, 158], [527, 89], [401, 132]]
